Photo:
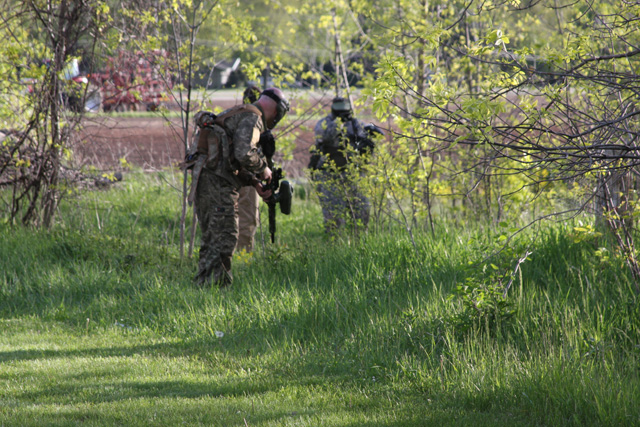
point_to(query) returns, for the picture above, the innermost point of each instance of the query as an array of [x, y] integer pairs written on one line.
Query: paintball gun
[[363, 144], [283, 197], [367, 145], [372, 129], [268, 144]]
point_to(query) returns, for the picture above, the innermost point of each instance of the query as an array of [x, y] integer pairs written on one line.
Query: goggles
[[341, 107], [282, 105]]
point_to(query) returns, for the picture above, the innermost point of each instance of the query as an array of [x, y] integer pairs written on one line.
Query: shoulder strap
[[242, 108], [203, 144]]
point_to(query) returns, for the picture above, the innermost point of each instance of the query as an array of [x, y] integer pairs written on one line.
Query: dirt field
[[155, 143]]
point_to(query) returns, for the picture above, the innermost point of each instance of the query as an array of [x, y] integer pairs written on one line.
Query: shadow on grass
[[105, 394], [112, 391], [161, 349]]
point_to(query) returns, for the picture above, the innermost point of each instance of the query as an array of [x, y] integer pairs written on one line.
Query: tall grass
[[102, 325]]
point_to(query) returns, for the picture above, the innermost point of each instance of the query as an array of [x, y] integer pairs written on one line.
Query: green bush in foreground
[[101, 325]]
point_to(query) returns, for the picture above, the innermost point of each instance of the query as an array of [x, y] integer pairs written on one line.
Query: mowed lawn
[[101, 325]]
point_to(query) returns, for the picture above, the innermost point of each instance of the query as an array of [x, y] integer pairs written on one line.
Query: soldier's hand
[[262, 192], [266, 174], [204, 118]]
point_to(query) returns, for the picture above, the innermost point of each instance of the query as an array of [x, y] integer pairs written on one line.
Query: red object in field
[[134, 81]]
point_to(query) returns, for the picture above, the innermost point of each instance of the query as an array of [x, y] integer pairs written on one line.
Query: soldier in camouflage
[[233, 161], [341, 143]]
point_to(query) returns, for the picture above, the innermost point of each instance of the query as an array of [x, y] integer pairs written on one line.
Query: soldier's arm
[[329, 132], [319, 130], [245, 144]]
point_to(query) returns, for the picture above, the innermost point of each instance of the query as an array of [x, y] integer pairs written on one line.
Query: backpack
[[214, 144], [332, 139]]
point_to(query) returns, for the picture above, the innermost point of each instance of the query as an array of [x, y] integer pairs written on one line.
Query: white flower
[[219, 334]]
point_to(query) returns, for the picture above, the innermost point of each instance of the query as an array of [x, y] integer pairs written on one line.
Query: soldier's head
[[274, 105], [251, 94], [341, 107]]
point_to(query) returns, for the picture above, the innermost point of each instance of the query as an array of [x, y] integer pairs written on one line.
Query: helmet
[[341, 107], [282, 105]]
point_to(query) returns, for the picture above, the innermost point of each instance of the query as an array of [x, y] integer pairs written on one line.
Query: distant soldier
[[340, 140], [227, 158]]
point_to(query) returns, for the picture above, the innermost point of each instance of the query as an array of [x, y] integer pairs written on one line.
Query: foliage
[[484, 303], [512, 124], [40, 118], [497, 115]]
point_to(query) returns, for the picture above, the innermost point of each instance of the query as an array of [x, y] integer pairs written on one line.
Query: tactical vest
[[216, 142]]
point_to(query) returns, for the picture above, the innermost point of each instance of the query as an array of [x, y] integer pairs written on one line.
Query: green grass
[[101, 325]]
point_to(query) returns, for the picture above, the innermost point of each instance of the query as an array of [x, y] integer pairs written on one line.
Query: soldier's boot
[[203, 277], [202, 280], [223, 276]]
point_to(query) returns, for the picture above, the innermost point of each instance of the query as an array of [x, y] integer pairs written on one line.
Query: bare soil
[[149, 143]]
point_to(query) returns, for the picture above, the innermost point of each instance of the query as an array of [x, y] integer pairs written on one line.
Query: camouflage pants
[[248, 218], [216, 207], [341, 200]]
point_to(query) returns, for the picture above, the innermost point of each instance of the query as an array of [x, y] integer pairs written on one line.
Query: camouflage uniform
[[340, 198], [226, 171]]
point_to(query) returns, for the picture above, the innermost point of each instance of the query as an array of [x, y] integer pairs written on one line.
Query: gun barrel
[[272, 221]]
